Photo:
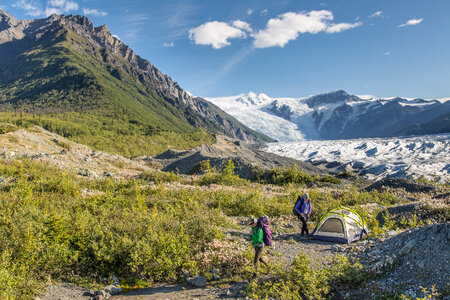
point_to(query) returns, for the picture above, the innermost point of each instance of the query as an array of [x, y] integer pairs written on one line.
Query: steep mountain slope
[[87, 85], [337, 115]]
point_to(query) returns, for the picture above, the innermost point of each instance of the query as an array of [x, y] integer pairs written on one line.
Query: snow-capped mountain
[[337, 115]]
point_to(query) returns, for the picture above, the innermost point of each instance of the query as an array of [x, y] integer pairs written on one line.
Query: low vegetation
[[58, 226]]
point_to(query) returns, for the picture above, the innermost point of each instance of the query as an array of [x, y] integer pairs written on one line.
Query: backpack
[[263, 223], [300, 198]]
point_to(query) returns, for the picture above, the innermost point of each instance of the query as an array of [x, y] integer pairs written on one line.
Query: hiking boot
[[308, 237]]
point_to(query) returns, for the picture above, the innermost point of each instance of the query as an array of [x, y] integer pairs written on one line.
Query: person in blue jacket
[[303, 209]]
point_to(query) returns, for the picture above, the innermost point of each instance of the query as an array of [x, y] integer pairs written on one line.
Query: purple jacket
[[303, 207]]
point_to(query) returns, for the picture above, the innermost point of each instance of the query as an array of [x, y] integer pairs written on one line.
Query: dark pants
[[259, 257], [304, 225]]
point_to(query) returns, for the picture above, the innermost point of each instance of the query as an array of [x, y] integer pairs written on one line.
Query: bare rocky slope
[[41, 145], [246, 159]]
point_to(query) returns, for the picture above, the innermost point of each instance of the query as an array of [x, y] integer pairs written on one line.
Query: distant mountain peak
[[331, 97]]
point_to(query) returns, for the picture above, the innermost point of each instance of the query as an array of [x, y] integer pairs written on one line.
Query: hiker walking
[[302, 209], [260, 236]]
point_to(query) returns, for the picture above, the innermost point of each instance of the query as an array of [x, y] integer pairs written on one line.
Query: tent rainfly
[[342, 225]]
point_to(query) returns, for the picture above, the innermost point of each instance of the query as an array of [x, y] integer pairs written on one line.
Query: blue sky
[[284, 48]]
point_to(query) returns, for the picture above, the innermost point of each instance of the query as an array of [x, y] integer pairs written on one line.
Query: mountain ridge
[[63, 64], [337, 115]]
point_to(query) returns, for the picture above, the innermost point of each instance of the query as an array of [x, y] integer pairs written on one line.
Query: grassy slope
[[64, 85]]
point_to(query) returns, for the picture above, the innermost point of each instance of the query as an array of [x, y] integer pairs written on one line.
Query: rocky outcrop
[[10, 27], [281, 110]]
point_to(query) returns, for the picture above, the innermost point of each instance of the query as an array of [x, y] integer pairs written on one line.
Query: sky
[[283, 48]]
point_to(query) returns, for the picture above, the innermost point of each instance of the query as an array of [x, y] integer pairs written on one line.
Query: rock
[[99, 297], [408, 247], [89, 293], [216, 277], [113, 290], [421, 264], [391, 233], [115, 280], [100, 293], [186, 273], [197, 281]]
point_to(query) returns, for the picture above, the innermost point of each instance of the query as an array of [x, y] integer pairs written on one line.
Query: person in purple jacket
[[303, 209]]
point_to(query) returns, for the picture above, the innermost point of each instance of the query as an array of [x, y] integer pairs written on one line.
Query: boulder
[[408, 247], [112, 289], [197, 281]]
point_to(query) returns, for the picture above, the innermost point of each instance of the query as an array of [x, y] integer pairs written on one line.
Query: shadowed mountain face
[[63, 64]]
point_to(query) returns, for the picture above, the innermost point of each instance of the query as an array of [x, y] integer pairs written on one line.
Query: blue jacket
[[303, 207]]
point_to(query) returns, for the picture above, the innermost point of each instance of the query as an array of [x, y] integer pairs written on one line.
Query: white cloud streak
[[60, 7], [94, 12], [376, 14], [34, 9], [387, 53], [31, 8], [167, 45], [249, 12], [288, 26], [217, 34], [411, 22]]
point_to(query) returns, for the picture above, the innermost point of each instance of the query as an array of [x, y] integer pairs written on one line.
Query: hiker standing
[[303, 211], [257, 238]]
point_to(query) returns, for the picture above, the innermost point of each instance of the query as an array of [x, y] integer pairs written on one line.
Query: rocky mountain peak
[[7, 20], [331, 97]]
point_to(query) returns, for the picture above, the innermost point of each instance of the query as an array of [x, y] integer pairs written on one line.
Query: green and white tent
[[342, 225]]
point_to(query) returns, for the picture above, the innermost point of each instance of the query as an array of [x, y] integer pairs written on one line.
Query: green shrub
[[226, 177]]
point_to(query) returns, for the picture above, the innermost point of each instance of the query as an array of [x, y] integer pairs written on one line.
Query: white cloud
[[168, 44], [242, 25], [116, 36], [264, 12], [215, 34], [94, 12], [411, 22], [387, 53], [249, 12], [335, 28], [376, 14], [60, 7], [53, 11], [31, 8], [286, 27], [57, 3]]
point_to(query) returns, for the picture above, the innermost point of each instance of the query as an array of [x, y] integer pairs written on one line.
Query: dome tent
[[342, 225]]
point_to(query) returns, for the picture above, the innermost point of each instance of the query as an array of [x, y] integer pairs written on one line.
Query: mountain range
[[77, 80], [337, 115]]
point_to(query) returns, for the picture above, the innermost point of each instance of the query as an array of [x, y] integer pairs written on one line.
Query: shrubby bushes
[[303, 280], [140, 233]]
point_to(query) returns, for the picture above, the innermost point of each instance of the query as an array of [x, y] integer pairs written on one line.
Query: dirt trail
[[285, 247]]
